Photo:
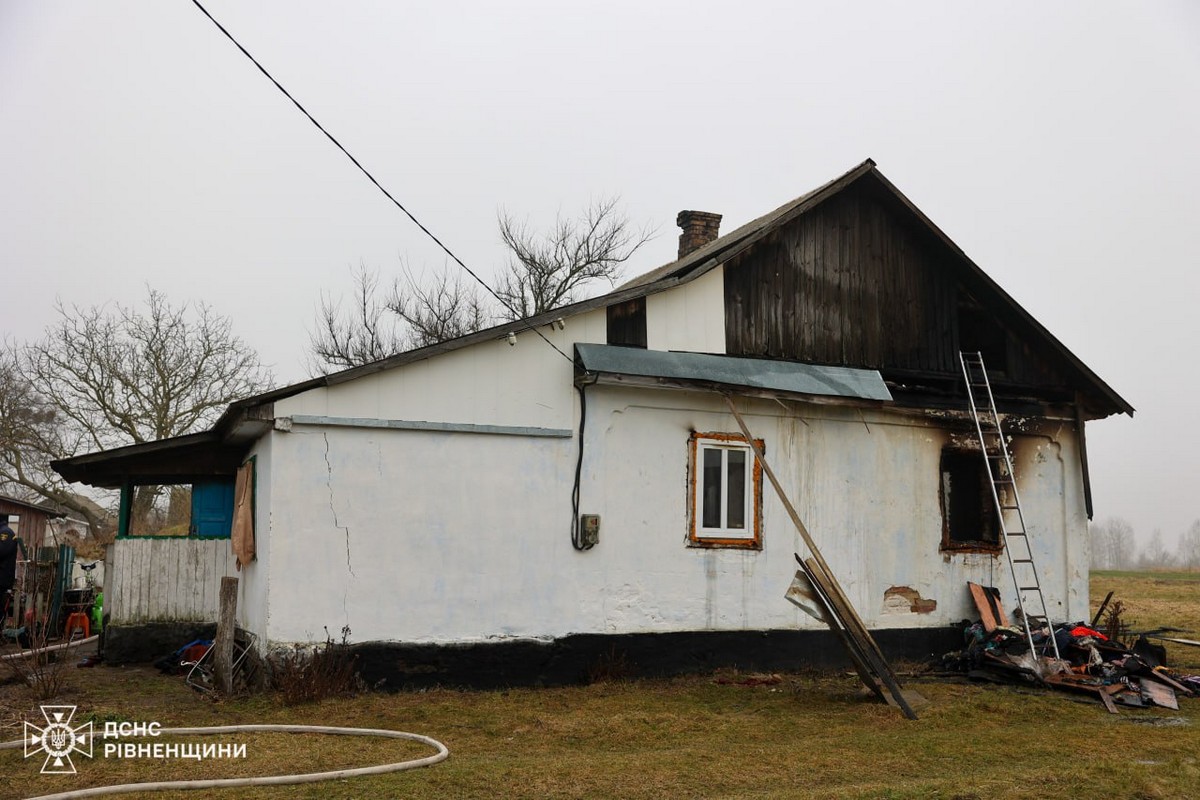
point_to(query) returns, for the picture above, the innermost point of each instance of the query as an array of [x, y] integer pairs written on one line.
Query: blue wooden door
[[212, 509]]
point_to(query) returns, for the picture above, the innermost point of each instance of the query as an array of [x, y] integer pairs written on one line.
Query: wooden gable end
[[858, 282]]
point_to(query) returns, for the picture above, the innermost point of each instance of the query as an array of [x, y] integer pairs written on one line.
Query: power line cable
[[371, 178]]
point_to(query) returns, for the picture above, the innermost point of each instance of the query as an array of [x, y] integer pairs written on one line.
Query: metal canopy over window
[[702, 370]]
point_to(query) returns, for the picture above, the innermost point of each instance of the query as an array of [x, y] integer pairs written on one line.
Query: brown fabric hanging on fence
[[243, 515]]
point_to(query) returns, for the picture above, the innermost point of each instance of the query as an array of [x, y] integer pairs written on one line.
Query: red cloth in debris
[[1084, 631], [194, 653]]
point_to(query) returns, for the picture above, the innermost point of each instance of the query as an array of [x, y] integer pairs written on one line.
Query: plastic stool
[[77, 620]]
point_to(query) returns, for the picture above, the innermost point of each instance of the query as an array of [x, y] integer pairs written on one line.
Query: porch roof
[[715, 372]]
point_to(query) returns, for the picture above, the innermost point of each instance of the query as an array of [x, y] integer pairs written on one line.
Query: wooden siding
[[29, 525], [627, 323], [159, 580], [850, 283]]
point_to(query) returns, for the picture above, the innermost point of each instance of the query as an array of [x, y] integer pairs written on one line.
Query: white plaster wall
[[866, 486], [689, 317], [420, 536], [436, 537]]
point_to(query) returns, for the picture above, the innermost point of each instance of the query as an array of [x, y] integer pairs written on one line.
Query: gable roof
[[677, 272], [13, 505], [704, 259]]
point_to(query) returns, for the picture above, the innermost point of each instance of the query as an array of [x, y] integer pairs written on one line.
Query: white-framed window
[[725, 492]]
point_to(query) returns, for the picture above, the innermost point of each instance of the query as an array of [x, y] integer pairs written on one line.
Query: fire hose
[[272, 780]]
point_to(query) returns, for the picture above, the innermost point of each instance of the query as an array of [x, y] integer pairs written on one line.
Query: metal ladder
[[1009, 515]]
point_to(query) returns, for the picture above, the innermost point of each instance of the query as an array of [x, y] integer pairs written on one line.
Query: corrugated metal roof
[[788, 377]]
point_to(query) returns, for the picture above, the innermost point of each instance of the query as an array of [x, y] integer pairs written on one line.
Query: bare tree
[[550, 269], [544, 271], [108, 376], [30, 435], [445, 309], [1155, 554], [366, 331], [1189, 547], [375, 326], [1112, 544]]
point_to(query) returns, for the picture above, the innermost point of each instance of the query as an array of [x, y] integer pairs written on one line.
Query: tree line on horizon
[[1114, 546]]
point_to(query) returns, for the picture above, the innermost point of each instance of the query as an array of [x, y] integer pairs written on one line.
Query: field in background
[[806, 736], [1154, 600]]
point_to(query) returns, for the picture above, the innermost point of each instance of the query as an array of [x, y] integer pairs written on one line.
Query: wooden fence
[[166, 579]]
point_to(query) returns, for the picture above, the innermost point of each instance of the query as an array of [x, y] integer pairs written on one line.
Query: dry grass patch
[[1157, 599], [809, 736]]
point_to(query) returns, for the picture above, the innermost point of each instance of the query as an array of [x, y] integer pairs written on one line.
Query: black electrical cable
[[371, 177], [576, 532]]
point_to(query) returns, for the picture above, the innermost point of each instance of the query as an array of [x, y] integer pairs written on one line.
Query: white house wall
[[690, 317], [491, 383], [424, 536]]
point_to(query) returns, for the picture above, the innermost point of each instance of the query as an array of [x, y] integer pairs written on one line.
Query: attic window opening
[[979, 332], [627, 323], [724, 492], [968, 510]]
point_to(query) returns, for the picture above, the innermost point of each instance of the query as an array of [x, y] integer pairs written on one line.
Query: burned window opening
[[980, 332], [968, 510]]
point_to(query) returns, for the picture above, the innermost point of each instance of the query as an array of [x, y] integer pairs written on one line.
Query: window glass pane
[[711, 491], [737, 489]]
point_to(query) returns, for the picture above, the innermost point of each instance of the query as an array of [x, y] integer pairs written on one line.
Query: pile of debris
[[1089, 661]]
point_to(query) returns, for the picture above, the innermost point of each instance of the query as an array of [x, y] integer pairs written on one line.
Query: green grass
[[810, 736]]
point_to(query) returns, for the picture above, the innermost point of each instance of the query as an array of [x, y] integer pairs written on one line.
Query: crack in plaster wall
[[336, 524]]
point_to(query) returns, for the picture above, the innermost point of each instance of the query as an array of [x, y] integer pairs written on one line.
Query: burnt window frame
[[957, 460], [978, 331], [697, 536]]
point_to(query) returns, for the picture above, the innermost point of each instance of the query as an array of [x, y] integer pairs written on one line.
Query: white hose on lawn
[[272, 780], [51, 648]]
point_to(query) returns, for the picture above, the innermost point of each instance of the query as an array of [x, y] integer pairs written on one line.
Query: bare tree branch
[[545, 271], [550, 270], [445, 309], [363, 333]]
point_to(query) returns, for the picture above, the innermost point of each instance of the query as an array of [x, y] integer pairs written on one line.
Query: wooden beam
[[826, 582], [223, 644]]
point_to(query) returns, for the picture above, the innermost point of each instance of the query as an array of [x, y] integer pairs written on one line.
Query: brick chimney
[[699, 228]]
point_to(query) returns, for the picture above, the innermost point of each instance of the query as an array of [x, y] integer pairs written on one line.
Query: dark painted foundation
[[576, 659], [129, 644], [583, 657]]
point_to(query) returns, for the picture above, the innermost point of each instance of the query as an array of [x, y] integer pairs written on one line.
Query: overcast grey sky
[[1055, 143]]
